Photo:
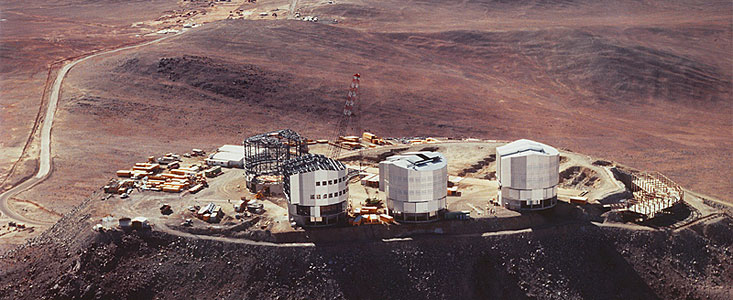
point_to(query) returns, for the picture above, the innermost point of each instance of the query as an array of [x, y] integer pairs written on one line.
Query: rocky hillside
[[572, 261]]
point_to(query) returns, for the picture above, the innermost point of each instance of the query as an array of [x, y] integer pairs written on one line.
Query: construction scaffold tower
[[346, 118], [265, 153], [653, 192]]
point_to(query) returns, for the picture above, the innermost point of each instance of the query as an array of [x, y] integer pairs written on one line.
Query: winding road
[[46, 164]]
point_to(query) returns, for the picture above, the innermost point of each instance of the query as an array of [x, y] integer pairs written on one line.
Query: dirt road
[[45, 157], [291, 9]]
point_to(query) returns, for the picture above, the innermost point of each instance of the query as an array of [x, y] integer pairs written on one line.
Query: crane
[[346, 118]]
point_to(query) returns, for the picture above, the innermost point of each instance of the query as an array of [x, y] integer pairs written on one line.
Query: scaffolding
[[265, 153], [653, 193]]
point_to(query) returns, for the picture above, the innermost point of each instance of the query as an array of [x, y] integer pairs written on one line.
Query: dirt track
[[45, 155]]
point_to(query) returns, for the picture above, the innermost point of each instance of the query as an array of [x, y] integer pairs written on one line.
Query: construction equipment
[[166, 209], [458, 215], [373, 201], [346, 118], [260, 194]]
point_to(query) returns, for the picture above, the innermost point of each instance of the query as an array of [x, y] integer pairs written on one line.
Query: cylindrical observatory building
[[528, 174], [316, 189], [415, 184]]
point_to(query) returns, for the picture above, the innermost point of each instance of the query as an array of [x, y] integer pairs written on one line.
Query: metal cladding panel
[[421, 207], [550, 192], [507, 193], [530, 171], [296, 189], [519, 172], [505, 173], [554, 168], [538, 194], [306, 183], [510, 192], [525, 194], [498, 166], [383, 172], [315, 211]]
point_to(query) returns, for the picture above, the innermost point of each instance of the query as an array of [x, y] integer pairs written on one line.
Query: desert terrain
[[36, 39], [646, 84]]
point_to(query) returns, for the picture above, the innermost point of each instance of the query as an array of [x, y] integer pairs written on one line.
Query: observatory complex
[[415, 185], [528, 174], [316, 188]]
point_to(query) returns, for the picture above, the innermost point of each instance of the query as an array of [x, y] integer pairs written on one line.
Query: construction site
[[280, 186], [366, 149]]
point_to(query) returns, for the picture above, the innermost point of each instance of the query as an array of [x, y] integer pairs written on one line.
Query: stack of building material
[[124, 173], [192, 168], [368, 210], [210, 213], [140, 170], [172, 176], [175, 185], [148, 167], [351, 138], [198, 152], [182, 171], [370, 215], [196, 188], [386, 218], [579, 200], [111, 186], [169, 158]]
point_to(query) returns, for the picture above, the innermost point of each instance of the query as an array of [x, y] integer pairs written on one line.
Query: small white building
[[230, 156], [316, 188], [528, 173], [415, 184]]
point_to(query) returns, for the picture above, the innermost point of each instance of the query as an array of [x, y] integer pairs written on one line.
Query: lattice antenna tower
[[347, 117]]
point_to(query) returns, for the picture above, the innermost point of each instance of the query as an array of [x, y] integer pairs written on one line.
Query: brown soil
[[577, 177], [244, 88]]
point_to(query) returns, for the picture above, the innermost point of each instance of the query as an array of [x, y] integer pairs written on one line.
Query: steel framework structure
[[653, 192], [265, 153]]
